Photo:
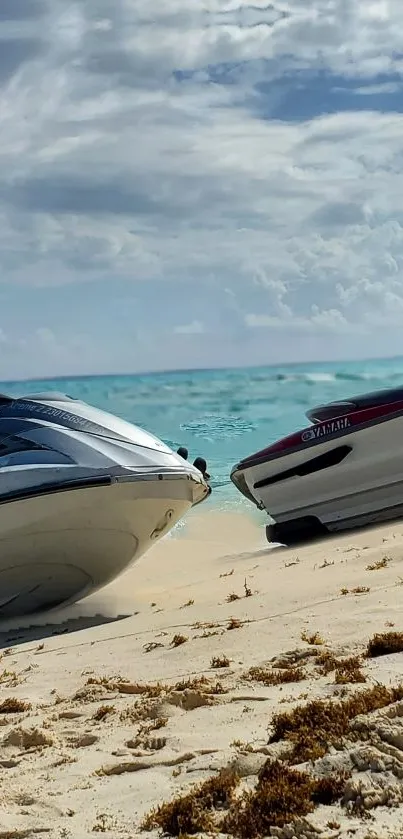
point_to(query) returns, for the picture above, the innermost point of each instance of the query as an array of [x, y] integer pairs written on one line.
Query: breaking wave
[[321, 377]]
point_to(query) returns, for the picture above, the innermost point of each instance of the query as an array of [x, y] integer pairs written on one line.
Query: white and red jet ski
[[342, 472]]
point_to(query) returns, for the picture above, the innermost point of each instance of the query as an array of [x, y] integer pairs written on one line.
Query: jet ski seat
[[388, 396]]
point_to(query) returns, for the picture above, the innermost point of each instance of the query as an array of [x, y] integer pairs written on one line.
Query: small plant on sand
[[325, 662], [356, 590], [130, 688], [153, 645], [103, 712], [347, 670], [201, 684], [313, 638], [205, 625], [291, 563], [156, 725], [198, 683], [326, 563], [9, 677], [232, 597], [185, 605], [234, 623], [240, 746], [385, 644], [104, 823], [209, 633], [145, 729], [14, 706], [107, 682], [381, 563], [136, 713], [313, 727], [275, 677], [194, 812], [178, 640], [219, 661], [248, 591], [227, 574]]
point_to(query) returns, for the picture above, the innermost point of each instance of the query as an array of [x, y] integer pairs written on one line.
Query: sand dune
[[218, 634]]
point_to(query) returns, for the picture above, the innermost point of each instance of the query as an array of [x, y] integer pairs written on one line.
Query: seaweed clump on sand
[[313, 727], [13, 705], [275, 677], [281, 795], [386, 643], [346, 670], [194, 812]]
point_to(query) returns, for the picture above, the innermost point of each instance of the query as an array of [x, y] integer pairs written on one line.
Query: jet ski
[[342, 472], [83, 494]]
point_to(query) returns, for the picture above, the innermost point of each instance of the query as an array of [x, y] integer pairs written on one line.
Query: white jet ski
[[83, 495], [343, 471]]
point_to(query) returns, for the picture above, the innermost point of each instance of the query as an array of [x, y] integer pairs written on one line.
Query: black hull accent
[[53, 488], [315, 464], [297, 531], [308, 529]]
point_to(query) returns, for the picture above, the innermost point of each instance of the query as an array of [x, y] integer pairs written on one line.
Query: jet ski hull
[[83, 495], [58, 547], [335, 476]]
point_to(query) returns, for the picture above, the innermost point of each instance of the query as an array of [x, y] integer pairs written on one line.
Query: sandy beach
[[180, 670]]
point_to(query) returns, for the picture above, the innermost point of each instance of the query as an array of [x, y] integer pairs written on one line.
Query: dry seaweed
[[275, 677], [281, 795], [385, 644], [312, 728], [219, 661], [12, 705], [194, 812]]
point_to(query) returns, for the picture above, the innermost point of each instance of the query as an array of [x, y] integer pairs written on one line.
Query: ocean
[[223, 415]]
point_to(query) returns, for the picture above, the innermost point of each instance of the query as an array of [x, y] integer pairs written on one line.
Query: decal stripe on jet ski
[[53, 488], [326, 430], [39, 410], [323, 461]]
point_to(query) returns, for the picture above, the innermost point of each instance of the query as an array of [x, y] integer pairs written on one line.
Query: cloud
[[246, 155], [330, 320], [21, 10], [196, 327]]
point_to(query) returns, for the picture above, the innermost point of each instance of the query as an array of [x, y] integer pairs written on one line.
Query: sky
[[199, 184]]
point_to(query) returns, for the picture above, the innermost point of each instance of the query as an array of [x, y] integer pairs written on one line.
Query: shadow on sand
[[40, 627]]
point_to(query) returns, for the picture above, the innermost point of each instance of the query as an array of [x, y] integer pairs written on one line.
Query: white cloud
[[114, 169], [196, 327], [325, 321]]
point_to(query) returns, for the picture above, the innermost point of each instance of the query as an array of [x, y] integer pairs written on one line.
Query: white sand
[[49, 755]]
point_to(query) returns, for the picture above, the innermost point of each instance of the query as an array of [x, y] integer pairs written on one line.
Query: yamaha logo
[[325, 429]]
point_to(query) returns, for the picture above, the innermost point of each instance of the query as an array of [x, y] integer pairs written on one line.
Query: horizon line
[[162, 372]]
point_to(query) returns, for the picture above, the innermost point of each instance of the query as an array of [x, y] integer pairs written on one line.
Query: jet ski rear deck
[[340, 473]]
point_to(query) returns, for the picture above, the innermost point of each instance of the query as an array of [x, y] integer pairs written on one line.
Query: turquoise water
[[223, 415]]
